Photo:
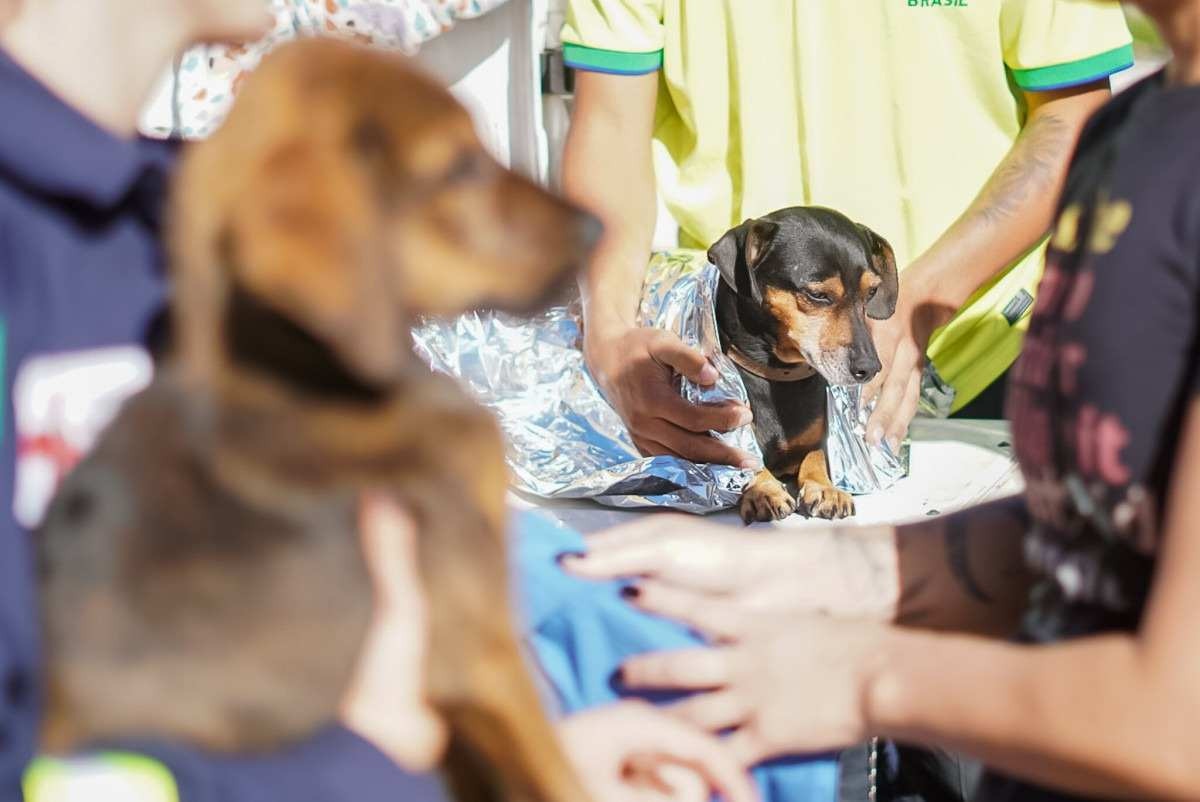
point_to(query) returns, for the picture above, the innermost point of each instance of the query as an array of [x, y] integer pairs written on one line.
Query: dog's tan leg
[[818, 497], [766, 499]]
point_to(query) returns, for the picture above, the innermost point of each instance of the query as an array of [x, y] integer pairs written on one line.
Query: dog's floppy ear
[[883, 262], [724, 254], [304, 240], [751, 240], [760, 235]]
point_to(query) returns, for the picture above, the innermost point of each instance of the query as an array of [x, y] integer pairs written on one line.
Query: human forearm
[[1089, 717], [1110, 715], [607, 168], [965, 571], [611, 287], [1012, 211]]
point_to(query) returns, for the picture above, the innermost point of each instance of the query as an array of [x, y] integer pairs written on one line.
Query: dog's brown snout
[[862, 360]]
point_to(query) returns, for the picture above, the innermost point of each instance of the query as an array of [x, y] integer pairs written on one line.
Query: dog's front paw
[[766, 499], [825, 501]]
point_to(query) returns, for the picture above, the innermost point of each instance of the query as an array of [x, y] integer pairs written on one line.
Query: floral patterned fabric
[[207, 78]]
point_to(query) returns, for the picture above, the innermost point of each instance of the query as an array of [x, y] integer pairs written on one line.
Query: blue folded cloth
[[581, 631]]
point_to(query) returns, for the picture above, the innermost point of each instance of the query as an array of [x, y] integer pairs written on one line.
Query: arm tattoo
[[957, 554], [1031, 167]]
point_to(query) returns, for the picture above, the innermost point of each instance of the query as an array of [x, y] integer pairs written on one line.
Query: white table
[[953, 464]]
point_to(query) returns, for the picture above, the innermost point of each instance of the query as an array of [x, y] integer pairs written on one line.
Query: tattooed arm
[[1011, 213], [1107, 716], [966, 571]]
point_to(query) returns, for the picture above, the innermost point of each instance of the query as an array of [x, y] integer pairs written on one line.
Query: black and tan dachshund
[[798, 286]]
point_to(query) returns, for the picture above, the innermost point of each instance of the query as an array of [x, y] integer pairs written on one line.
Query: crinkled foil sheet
[[566, 442]]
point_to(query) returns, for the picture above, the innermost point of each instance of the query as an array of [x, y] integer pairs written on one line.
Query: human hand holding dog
[[1012, 211], [636, 370], [634, 752], [901, 342], [608, 169], [688, 568]]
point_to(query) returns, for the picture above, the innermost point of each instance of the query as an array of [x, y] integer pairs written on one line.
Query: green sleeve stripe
[[1073, 73], [593, 59], [112, 775]]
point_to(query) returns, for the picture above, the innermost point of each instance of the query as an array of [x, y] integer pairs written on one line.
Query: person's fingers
[[719, 618], [891, 395], [719, 766], [389, 539], [725, 417], [714, 712], [682, 784], [674, 741], [632, 559], [886, 342], [648, 447], [905, 413], [645, 778], [747, 747], [684, 669], [668, 350], [700, 448], [870, 390]]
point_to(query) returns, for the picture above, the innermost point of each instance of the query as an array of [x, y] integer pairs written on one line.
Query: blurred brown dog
[[346, 194]]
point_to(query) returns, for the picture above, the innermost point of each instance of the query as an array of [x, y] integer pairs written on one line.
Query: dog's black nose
[[864, 366]]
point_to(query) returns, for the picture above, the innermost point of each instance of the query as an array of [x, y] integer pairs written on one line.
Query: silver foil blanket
[[566, 442]]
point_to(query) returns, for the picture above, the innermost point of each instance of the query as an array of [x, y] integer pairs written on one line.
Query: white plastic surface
[[954, 464]]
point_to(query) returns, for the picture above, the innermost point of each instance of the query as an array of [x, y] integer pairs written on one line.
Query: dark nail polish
[[630, 592], [616, 680], [569, 555]]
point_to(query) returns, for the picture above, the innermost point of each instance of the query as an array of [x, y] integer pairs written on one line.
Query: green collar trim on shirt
[[1073, 73], [593, 59], [111, 775]]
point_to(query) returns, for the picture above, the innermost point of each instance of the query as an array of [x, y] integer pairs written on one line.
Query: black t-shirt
[[1108, 368]]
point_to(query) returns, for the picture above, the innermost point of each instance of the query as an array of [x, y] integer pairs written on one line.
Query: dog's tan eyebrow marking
[[831, 286], [779, 303]]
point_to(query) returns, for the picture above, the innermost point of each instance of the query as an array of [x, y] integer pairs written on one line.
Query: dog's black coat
[[781, 256]]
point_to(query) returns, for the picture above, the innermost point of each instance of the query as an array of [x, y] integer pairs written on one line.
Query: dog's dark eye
[[815, 296], [871, 294]]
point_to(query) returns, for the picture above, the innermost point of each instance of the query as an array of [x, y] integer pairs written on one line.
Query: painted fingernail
[[630, 592], [708, 374], [616, 680], [569, 555]]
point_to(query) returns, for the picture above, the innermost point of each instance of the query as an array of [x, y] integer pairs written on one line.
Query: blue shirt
[[81, 287], [581, 631]]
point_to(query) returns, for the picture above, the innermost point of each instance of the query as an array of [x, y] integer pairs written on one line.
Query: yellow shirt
[[892, 111]]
